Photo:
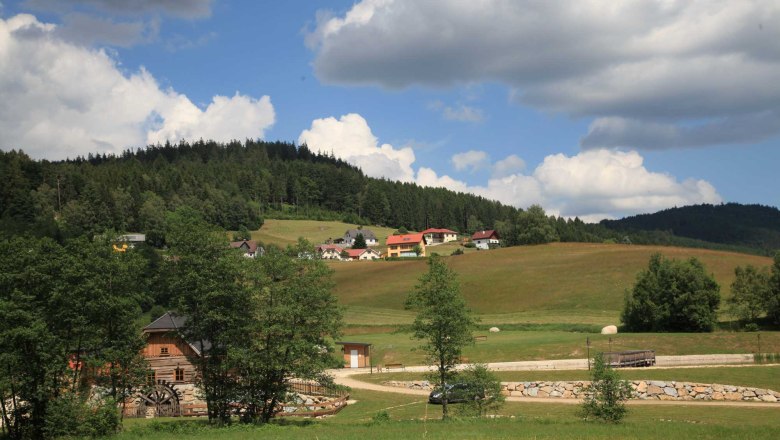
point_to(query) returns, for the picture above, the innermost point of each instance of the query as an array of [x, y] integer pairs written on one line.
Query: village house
[[404, 245], [351, 235], [438, 235], [486, 239], [328, 251], [362, 254], [249, 247], [168, 354]]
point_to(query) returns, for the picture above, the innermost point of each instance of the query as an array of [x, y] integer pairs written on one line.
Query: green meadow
[[412, 417]]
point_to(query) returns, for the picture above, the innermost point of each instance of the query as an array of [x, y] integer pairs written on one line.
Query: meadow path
[[345, 377]]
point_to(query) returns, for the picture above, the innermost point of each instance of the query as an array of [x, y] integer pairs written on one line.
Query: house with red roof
[[439, 235], [328, 251], [362, 254], [404, 245], [486, 239]]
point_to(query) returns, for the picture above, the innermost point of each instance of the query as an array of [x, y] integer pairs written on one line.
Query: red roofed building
[[438, 235], [363, 254], [486, 239], [329, 251], [403, 245]]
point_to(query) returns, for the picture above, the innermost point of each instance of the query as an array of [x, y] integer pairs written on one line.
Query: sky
[[591, 108]]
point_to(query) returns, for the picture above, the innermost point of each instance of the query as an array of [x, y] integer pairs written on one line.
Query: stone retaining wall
[[642, 389]]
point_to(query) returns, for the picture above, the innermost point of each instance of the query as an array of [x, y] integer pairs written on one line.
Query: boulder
[[768, 398], [609, 330], [654, 389], [494, 330]]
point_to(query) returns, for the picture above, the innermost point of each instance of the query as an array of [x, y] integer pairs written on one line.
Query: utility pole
[[587, 343]]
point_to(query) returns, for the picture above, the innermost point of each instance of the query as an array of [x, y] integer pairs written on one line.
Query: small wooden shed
[[356, 354]]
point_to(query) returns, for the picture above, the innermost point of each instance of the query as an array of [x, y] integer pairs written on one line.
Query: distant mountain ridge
[[754, 226]]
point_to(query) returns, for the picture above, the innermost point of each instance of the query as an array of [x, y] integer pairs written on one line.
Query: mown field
[[759, 376], [555, 283], [412, 417], [284, 232]]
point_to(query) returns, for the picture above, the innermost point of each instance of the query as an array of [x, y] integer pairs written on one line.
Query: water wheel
[[163, 398]]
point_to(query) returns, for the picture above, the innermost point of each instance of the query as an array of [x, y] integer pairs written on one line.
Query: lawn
[[555, 283], [759, 376], [411, 417], [515, 345]]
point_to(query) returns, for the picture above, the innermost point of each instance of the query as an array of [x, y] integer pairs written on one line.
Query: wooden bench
[[389, 366], [480, 338]]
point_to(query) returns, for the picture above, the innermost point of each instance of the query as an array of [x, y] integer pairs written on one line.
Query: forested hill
[[231, 185], [754, 226]]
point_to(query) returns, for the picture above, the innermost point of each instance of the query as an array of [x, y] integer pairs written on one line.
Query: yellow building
[[403, 245]]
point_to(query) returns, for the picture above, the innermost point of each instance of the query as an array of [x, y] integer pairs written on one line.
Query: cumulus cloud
[[62, 100], [89, 30], [674, 63], [351, 139], [592, 185], [472, 160]]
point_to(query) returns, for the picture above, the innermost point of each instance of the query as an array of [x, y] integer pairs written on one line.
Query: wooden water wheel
[[163, 398]]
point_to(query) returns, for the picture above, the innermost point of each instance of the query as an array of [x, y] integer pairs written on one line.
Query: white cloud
[[62, 100], [472, 159], [350, 138], [507, 166], [592, 185], [675, 63]]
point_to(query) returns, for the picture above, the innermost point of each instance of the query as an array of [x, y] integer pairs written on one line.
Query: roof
[[367, 233], [325, 247], [172, 322], [406, 238], [359, 252], [481, 235], [251, 245], [438, 231], [354, 343]]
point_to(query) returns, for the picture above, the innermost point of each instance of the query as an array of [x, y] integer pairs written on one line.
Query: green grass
[[523, 420], [539, 345], [284, 232], [559, 283], [767, 376]]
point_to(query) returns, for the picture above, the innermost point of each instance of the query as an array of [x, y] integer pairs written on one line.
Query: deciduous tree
[[443, 322]]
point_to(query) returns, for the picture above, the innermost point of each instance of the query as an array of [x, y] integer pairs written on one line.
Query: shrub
[[69, 415], [606, 395], [457, 251], [381, 416], [480, 381], [470, 245]]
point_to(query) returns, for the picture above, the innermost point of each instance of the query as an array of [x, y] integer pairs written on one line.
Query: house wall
[[178, 357], [484, 243], [369, 256], [364, 359], [396, 250]]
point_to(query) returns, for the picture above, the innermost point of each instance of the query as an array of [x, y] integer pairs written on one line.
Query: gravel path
[[345, 377]]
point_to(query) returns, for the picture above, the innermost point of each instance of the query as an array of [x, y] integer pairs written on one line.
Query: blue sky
[[593, 109]]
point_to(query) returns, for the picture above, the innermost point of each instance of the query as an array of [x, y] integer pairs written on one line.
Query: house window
[[150, 377], [178, 375], [163, 351]]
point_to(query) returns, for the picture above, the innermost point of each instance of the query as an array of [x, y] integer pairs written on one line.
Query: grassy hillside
[[558, 283], [284, 232]]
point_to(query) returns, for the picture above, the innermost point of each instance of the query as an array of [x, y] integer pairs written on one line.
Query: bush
[[381, 416], [606, 395], [672, 295], [457, 251], [69, 415], [480, 381], [470, 245]]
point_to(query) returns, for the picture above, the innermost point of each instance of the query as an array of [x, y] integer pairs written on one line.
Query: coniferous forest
[[239, 184]]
